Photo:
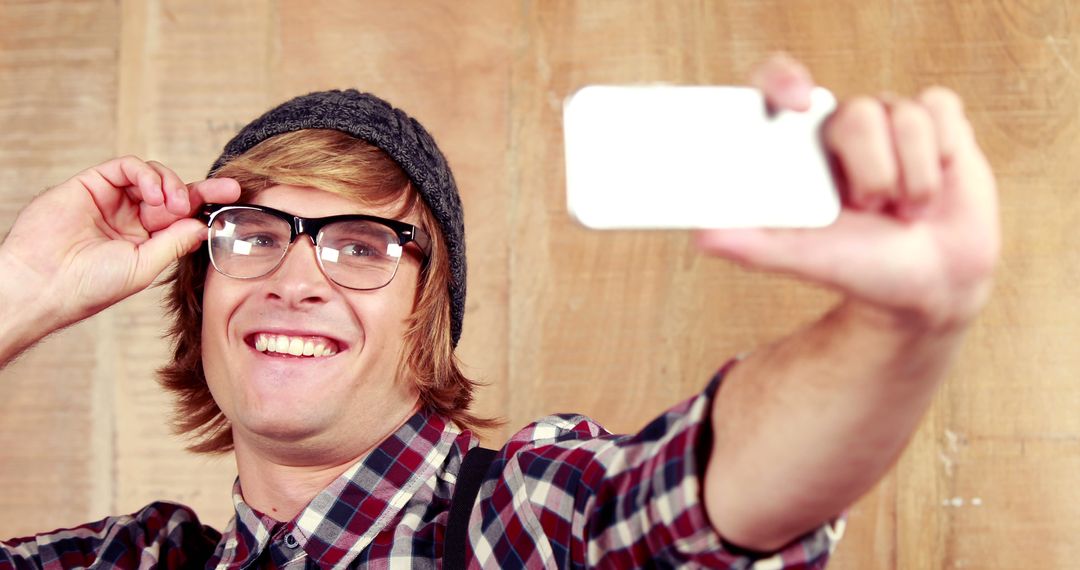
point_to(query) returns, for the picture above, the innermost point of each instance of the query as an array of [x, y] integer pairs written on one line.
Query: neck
[[280, 479]]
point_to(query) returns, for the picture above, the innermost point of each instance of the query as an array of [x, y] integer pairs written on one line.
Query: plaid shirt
[[562, 493]]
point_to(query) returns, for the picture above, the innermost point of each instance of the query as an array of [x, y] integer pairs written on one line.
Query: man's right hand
[[100, 237]]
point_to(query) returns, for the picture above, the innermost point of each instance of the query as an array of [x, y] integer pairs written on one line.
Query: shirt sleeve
[[160, 535], [570, 494]]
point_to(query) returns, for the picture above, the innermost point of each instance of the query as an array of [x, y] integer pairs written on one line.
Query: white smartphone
[[683, 157]]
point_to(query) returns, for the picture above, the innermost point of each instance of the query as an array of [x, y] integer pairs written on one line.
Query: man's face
[[310, 404]]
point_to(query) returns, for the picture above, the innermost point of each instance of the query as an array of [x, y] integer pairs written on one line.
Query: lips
[[310, 346]]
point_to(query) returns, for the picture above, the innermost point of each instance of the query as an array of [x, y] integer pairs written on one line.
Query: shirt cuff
[[810, 550]]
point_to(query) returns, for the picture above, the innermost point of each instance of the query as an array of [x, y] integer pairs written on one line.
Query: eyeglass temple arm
[[423, 241]]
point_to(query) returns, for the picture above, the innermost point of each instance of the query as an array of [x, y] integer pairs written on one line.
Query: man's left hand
[[918, 235]]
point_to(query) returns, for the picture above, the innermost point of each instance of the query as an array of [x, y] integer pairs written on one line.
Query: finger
[[773, 250], [213, 190], [969, 189], [165, 247], [860, 136], [785, 82], [130, 171], [831, 256], [176, 192], [217, 190], [917, 150], [946, 109]]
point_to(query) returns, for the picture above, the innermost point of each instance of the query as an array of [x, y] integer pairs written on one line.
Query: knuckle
[[859, 118], [879, 179], [942, 98], [138, 168], [879, 183], [918, 190], [910, 121]]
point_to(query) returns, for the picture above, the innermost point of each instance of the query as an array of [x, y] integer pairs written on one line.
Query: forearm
[[804, 427], [24, 316]]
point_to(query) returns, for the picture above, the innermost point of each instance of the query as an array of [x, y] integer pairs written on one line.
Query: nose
[[299, 281]]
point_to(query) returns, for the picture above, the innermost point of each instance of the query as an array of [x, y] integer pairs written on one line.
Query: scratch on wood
[[952, 440], [952, 443], [947, 462], [1053, 43]]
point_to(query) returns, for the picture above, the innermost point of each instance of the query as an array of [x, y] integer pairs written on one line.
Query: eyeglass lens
[[358, 254]]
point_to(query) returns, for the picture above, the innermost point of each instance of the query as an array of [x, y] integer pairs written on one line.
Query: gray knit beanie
[[367, 117]]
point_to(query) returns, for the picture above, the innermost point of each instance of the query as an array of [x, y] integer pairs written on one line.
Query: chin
[[276, 427]]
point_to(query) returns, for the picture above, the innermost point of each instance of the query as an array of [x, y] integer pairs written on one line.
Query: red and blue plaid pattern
[[562, 493]]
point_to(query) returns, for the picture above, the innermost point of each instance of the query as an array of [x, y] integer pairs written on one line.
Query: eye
[[360, 242], [261, 240], [360, 249]]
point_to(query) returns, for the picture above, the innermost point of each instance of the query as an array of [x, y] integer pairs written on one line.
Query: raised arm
[[804, 427], [94, 240]]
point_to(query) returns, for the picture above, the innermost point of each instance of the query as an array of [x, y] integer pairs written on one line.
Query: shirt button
[[291, 541]]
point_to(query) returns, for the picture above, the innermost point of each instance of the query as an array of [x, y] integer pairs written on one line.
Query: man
[[327, 364]]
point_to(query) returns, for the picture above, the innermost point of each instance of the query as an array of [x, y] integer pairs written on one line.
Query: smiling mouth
[[295, 346]]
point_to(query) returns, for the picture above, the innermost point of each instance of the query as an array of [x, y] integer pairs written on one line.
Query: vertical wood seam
[[520, 39], [130, 139]]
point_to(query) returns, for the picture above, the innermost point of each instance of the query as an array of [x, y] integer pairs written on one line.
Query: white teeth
[[294, 346]]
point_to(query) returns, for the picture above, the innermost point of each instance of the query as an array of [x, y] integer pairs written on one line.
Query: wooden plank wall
[[619, 325]]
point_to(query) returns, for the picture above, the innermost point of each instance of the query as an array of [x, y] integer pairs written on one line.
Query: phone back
[[681, 157]]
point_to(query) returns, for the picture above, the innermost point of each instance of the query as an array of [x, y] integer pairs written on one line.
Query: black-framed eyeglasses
[[355, 251]]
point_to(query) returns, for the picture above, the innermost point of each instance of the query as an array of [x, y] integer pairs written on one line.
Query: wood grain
[[191, 73], [57, 107], [615, 325]]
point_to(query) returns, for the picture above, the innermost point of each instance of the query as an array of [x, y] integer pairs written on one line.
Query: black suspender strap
[[473, 467]]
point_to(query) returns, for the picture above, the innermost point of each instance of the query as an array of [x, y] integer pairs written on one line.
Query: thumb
[[767, 249], [166, 246], [825, 255]]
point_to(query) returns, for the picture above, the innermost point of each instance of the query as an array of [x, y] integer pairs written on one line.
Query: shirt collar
[[347, 515]]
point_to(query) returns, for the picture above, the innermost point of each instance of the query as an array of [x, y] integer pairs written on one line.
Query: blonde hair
[[341, 164]]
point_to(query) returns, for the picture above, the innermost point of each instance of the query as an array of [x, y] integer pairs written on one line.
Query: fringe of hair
[[337, 163]]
